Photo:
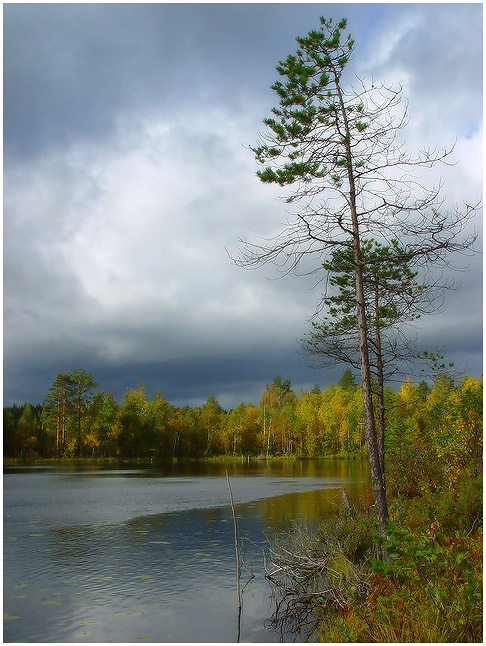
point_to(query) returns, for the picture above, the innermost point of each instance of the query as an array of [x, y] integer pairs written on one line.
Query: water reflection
[[159, 577], [300, 468]]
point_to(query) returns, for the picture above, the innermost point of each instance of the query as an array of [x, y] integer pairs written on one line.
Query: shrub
[[429, 588], [428, 591]]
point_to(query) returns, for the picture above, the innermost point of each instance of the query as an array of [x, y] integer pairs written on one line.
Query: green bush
[[454, 510]]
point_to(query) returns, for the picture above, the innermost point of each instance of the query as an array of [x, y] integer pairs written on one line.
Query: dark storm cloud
[[70, 70], [233, 379], [126, 177]]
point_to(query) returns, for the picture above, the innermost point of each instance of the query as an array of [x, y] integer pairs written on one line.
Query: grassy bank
[[422, 584]]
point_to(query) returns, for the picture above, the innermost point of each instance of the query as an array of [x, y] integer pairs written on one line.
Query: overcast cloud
[[127, 177]]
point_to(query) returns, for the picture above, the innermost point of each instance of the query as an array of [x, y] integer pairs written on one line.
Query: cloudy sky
[[128, 179]]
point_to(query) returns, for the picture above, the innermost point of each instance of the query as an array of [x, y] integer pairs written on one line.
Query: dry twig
[[307, 575], [237, 554]]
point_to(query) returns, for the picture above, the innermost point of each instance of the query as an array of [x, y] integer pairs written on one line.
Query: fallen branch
[[307, 574]]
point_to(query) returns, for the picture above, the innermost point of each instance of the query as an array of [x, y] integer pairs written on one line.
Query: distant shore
[[144, 461]]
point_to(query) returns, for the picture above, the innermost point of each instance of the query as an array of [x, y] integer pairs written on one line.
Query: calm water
[[94, 554]]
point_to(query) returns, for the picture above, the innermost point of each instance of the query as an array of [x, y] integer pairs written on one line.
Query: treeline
[[445, 418]]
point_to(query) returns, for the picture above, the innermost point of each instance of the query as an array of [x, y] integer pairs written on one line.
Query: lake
[[100, 554]]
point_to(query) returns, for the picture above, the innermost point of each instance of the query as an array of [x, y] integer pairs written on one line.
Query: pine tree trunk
[[376, 473], [380, 438]]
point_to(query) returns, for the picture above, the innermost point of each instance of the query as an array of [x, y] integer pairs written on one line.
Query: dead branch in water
[[307, 574]]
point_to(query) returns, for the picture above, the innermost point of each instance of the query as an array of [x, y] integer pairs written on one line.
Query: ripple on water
[[103, 581]]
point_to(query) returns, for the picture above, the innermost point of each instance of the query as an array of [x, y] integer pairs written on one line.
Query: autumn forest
[[441, 423]]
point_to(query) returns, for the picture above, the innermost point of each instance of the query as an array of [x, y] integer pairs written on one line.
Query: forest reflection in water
[[123, 555]]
